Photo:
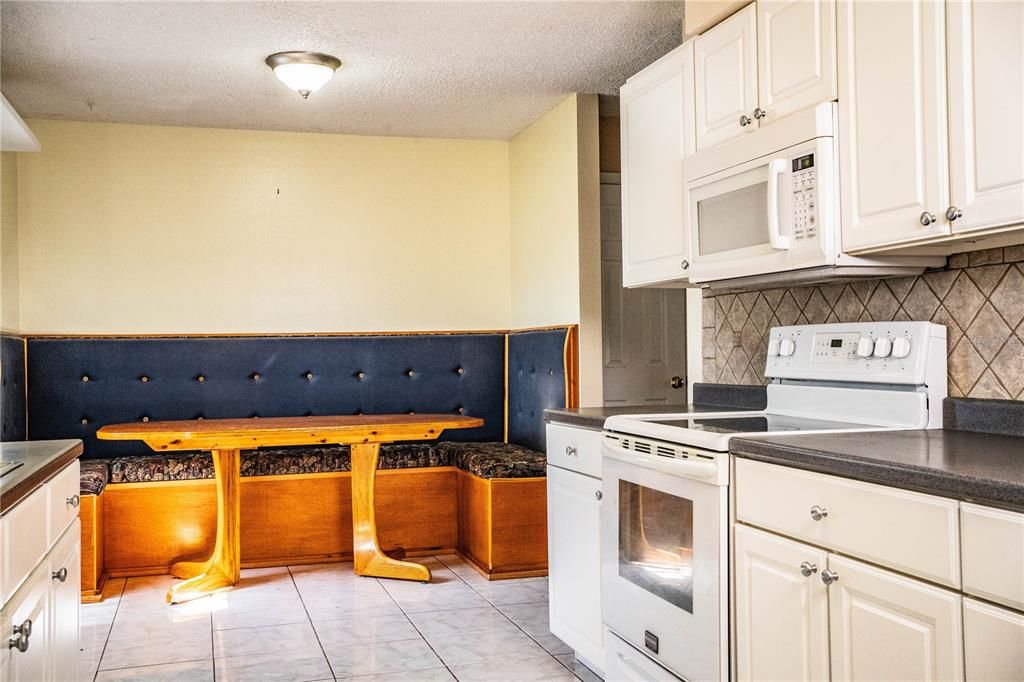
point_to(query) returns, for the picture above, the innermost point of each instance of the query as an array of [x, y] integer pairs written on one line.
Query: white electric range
[[665, 483]]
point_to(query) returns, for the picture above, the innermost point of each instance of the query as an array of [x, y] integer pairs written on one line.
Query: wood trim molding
[[505, 388], [572, 367], [264, 335]]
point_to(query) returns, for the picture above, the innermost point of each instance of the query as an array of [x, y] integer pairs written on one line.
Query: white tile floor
[[321, 622]]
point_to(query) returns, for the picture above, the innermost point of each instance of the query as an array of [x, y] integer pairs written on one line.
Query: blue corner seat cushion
[[486, 460]]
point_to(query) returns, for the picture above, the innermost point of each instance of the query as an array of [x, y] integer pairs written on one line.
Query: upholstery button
[[309, 376], [359, 413], [144, 379], [255, 376], [462, 410], [411, 412], [360, 375], [460, 370], [410, 373], [84, 421], [255, 416], [85, 378], [200, 418], [200, 378], [145, 419]]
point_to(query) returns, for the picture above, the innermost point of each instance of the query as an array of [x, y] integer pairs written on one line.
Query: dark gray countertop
[[978, 467], [40, 459]]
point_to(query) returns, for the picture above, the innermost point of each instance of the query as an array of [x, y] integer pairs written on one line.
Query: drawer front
[[24, 541], [63, 502], [993, 554], [575, 449], [993, 643], [910, 532]]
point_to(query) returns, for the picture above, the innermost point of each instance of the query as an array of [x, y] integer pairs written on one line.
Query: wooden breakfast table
[[225, 439]]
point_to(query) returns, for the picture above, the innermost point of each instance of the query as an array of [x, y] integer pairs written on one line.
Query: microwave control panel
[[805, 213]]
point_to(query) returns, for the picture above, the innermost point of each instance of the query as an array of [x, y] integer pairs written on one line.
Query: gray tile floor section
[[321, 622]]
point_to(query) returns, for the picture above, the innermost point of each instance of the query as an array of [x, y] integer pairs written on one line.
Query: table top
[[229, 434]]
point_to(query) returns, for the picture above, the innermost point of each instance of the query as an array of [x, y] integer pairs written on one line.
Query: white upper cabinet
[[892, 98], [657, 132], [796, 56], [985, 42], [725, 70]]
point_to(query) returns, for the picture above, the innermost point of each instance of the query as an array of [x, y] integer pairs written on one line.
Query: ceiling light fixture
[[303, 72]]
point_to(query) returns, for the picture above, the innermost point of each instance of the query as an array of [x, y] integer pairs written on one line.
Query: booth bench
[[481, 493]]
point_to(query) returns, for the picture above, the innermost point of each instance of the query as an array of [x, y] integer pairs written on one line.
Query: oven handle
[[778, 241], [701, 471], [634, 669]]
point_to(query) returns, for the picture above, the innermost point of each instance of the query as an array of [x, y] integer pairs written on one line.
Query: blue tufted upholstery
[[12, 391], [536, 381], [106, 381]]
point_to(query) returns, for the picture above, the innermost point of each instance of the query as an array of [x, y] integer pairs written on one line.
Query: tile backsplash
[[979, 297]]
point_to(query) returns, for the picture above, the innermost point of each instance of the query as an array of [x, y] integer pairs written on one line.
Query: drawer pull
[[828, 577], [818, 513], [21, 635], [598, 495], [570, 451], [807, 569], [73, 501], [61, 575]]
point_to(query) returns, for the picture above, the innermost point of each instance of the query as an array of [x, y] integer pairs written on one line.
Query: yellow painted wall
[[9, 279], [144, 229]]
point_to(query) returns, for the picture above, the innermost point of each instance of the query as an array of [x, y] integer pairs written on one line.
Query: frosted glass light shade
[[303, 72]]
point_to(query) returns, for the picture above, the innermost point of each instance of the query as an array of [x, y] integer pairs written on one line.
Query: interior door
[[888, 627], [986, 96], [781, 608], [892, 109], [643, 329], [796, 55], [725, 78]]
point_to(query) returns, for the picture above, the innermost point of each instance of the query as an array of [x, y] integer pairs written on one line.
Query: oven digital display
[[803, 162], [836, 343]]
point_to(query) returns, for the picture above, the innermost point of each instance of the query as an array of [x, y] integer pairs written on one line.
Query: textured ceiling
[[425, 69]]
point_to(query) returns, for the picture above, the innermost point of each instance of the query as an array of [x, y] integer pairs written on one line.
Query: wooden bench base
[[498, 525]]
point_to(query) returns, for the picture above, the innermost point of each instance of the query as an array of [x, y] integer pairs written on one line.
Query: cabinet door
[[657, 132], [993, 643], [796, 55], [781, 614], [888, 627], [574, 560], [65, 580], [725, 77], [892, 117], [30, 605], [986, 98]]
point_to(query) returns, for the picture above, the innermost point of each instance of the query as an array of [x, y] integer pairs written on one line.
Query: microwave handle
[[776, 167]]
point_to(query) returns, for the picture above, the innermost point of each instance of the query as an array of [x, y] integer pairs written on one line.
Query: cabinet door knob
[[598, 495], [818, 513], [953, 213], [570, 451], [676, 382], [760, 113], [828, 577], [685, 265], [21, 636], [807, 569], [61, 575], [73, 501], [745, 120], [927, 218]]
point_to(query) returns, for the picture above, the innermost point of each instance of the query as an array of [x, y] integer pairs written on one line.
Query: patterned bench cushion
[[93, 476], [487, 460]]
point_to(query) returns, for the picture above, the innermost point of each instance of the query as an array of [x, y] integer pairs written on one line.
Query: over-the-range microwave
[[766, 207]]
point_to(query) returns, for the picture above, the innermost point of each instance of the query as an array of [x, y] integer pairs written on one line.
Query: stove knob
[[865, 347], [787, 347], [901, 347], [882, 348], [773, 348]]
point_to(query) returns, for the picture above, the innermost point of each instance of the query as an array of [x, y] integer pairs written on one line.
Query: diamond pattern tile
[[979, 298]]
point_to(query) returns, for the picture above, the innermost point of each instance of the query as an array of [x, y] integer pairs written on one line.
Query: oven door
[[663, 563]]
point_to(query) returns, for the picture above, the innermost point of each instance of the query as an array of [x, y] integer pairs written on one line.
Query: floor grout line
[[316, 634], [103, 651]]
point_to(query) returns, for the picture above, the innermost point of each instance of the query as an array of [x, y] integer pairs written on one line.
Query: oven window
[[656, 543], [733, 220]]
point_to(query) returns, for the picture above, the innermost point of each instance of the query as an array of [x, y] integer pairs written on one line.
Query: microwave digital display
[[803, 162]]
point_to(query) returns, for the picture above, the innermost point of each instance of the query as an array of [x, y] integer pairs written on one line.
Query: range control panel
[[878, 352]]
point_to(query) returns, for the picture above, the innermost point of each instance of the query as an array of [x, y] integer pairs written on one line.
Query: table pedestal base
[[367, 555], [223, 567]]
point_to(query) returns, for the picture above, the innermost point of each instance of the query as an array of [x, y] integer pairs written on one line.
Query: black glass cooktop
[[761, 424]]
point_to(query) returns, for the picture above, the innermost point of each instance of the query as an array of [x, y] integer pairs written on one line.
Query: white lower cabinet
[[574, 536], [65, 581], [993, 642], [26, 629], [888, 627], [781, 608]]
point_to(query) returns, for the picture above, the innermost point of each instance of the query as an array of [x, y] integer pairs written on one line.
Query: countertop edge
[[984, 491], [10, 497]]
